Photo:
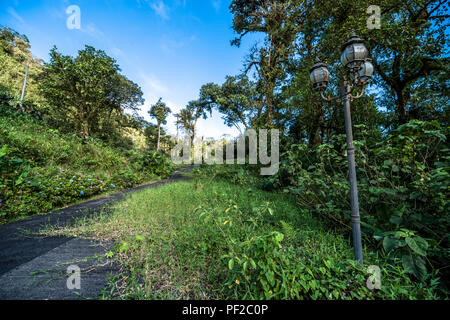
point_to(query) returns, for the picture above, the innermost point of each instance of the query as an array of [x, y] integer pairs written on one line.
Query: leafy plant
[[410, 248], [42, 168], [403, 181]]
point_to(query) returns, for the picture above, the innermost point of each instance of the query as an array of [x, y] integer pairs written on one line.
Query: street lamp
[[355, 58], [24, 85]]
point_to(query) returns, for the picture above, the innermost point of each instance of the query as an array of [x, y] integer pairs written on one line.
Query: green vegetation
[[403, 185], [210, 238], [15, 53], [159, 111], [66, 84], [231, 233], [401, 127], [42, 168], [69, 140]]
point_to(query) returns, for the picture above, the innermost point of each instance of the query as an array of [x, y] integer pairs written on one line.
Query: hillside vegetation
[[69, 140], [42, 168]]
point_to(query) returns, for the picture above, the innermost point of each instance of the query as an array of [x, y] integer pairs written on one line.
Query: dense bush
[[42, 169], [274, 250], [403, 182], [156, 163]]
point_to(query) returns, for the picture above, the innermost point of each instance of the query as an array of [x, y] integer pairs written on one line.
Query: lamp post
[[24, 85], [360, 69]]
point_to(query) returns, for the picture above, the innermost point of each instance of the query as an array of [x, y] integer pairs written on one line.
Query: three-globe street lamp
[[355, 58]]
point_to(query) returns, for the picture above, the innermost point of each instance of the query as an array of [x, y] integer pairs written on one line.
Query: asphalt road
[[35, 268]]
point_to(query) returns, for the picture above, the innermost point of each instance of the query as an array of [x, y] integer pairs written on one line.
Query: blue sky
[[169, 47]]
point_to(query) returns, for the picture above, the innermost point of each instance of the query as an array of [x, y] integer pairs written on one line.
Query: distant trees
[[237, 99], [15, 55], [187, 119], [88, 92], [159, 111], [279, 21]]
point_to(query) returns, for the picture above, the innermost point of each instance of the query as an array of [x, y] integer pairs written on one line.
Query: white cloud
[[92, 31], [171, 46], [160, 9], [13, 12], [153, 85], [216, 4]]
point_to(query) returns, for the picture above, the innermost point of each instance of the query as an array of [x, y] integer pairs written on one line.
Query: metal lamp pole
[[24, 85], [356, 221], [355, 58]]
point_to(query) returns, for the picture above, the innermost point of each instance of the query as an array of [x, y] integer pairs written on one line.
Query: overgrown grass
[[42, 169], [210, 239]]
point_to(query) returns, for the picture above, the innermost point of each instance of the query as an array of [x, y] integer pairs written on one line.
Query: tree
[[88, 89], [151, 133], [237, 99], [187, 118], [159, 111], [410, 46], [410, 49], [15, 55], [279, 21]]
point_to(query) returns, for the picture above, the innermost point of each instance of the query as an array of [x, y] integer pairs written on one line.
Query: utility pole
[[24, 85]]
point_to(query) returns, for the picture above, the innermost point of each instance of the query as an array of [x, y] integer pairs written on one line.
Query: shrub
[[269, 258], [157, 163], [403, 182]]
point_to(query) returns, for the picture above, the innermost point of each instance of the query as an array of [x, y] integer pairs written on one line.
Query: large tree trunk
[[85, 129], [159, 135], [269, 100], [314, 138], [193, 137], [400, 106]]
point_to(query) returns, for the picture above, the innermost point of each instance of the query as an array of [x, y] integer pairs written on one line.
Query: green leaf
[[279, 236], [22, 176], [388, 163], [124, 246], [3, 151], [415, 195], [418, 245], [270, 277], [390, 244], [396, 220], [414, 265], [231, 264]]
